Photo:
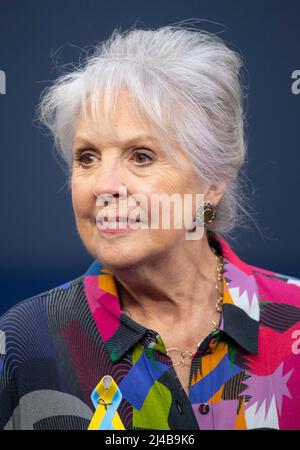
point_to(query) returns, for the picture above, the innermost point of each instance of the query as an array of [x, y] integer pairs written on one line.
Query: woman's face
[[107, 164]]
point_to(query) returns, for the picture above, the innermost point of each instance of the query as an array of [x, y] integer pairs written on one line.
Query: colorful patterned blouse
[[69, 359]]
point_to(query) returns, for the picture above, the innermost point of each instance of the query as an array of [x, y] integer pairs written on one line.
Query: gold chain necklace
[[186, 354]]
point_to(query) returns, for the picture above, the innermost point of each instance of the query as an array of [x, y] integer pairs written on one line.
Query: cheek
[[172, 180], [82, 198]]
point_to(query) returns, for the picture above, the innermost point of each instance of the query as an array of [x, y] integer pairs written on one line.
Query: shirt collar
[[240, 312]]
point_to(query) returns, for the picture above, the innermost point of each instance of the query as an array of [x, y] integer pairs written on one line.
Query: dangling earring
[[208, 215]]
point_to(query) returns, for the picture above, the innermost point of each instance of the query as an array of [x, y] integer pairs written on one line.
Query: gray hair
[[187, 83]]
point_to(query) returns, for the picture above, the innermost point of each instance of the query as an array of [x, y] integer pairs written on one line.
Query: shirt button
[[179, 407], [204, 408]]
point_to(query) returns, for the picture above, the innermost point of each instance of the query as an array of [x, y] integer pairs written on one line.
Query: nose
[[109, 179]]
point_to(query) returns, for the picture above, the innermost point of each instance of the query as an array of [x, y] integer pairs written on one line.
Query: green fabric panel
[[152, 415], [137, 352]]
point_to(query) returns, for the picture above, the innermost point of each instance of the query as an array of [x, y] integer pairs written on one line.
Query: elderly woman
[[168, 328]]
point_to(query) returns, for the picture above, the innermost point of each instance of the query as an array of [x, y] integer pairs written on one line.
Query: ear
[[214, 193]]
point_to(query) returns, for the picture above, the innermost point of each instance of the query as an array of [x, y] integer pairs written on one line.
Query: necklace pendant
[[186, 355]]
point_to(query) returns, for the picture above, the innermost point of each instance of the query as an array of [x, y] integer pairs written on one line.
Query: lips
[[104, 219], [107, 221]]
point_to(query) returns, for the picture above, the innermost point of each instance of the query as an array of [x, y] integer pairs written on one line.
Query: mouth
[[117, 223]]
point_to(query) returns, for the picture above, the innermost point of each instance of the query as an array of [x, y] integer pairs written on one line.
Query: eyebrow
[[128, 142]]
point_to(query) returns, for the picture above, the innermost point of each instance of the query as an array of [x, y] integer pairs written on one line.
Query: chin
[[119, 260], [118, 253]]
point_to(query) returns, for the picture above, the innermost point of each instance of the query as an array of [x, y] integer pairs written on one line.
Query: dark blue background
[[40, 247]]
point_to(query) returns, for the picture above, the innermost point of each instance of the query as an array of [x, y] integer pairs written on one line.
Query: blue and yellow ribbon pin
[[106, 398]]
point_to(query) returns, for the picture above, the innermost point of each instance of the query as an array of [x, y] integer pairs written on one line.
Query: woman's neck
[[172, 288]]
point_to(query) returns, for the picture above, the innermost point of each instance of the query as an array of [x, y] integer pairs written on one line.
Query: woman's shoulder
[[31, 333], [26, 329], [271, 285], [276, 286], [272, 274], [37, 304]]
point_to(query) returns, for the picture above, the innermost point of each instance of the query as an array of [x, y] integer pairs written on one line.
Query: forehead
[[119, 122], [87, 131], [114, 125]]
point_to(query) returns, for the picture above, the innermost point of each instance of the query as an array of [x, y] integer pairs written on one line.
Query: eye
[[85, 159], [142, 157]]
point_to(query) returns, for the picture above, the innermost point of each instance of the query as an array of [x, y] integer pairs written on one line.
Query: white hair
[[187, 83]]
